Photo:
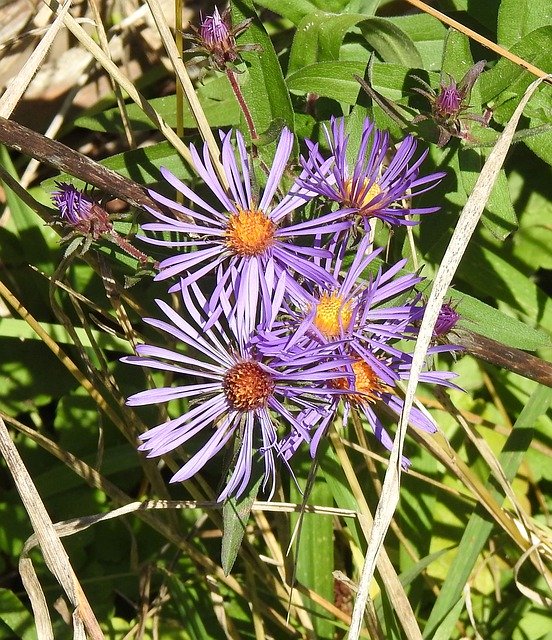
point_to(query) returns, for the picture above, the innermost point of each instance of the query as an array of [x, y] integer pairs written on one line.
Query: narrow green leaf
[[427, 34], [445, 628], [293, 10], [492, 323], [304, 47], [187, 603], [506, 80], [499, 216], [27, 223], [16, 617], [262, 83], [17, 328], [393, 44], [493, 275], [448, 605], [320, 36], [235, 515], [314, 551]]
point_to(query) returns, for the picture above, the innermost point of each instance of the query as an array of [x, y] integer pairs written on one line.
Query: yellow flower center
[[360, 197], [247, 386], [249, 232], [367, 385], [332, 314]]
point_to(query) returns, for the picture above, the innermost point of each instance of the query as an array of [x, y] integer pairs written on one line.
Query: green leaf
[[192, 605], [293, 10], [17, 328], [505, 83], [16, 617], [329, 79], [26, 222], [492, 323], [235, 514], [391, 79], [304, 47], [427, 34], [314, 546], [22, 380], [339, 487], [262, 84], [390, 42], [216, 97], [320, 36], [517, 18], [494, 275]]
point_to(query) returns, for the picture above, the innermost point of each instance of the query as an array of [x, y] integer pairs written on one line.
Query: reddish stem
[[243, 105], [125, 245]]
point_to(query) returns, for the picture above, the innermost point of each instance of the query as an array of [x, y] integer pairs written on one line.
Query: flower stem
[[243, 105], [125, 245]]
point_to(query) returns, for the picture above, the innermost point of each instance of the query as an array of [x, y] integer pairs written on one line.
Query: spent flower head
[[244, 235], [79, 212], [449, 105], [87, 221], [238, 397], [380, 182]]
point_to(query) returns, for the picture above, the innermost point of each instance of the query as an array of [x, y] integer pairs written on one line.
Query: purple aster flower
[[371, 188], [371, 392], [365, 323], [236, 394], [80, 212], [353, 311], [243, 235]]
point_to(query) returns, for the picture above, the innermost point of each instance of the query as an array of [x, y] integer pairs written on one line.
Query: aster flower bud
[[80, 212], [446, 320], [216, 39], [87, 221], [450, 103]]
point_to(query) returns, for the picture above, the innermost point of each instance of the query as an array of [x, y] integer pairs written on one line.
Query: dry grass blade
[[489, 44], [466, 226], [21, 81], [55, 556], [395, 590], [180, 70], [124, 83]]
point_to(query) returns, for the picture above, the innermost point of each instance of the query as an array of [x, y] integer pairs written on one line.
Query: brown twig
[[500, 355], [57, 155]]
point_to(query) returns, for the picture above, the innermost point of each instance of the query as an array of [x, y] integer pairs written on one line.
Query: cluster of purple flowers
[[288, 330]]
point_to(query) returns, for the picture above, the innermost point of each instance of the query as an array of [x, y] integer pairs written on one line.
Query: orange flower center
[[360, 197], [249, 232], [247, 386], [332, 314], [367, 385]]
